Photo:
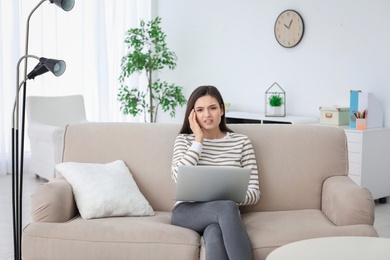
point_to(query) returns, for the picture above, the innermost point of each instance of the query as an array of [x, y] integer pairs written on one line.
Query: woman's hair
[[196, 94]]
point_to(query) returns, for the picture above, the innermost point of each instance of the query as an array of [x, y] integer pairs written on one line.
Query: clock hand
[[288, 27]]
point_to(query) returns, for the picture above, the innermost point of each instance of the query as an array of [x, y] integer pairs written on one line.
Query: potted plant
[[275, 102], [147, 54]]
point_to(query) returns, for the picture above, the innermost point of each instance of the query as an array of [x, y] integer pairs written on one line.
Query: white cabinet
[[369, 159]]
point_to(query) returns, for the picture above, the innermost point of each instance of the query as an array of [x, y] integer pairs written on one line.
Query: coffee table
[[342, 248]]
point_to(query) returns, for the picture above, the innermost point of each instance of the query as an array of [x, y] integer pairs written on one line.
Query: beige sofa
[[305, 194]]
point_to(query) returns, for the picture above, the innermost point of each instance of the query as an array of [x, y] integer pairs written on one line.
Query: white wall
[[231, 44]]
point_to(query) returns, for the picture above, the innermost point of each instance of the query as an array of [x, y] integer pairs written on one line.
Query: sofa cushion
[[111, 238], [270, 230], [104, 190]]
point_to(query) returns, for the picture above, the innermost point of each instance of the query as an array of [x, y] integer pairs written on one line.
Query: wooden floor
[[382, 213]]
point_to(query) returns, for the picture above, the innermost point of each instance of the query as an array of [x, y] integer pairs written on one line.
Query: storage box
[[334, 115]]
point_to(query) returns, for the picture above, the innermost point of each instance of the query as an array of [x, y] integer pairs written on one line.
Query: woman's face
[[208, 112]]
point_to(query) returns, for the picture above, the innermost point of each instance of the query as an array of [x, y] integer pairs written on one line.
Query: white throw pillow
[[104, 190]]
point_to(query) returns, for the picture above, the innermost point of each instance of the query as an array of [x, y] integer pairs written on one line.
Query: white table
[[334, 248]]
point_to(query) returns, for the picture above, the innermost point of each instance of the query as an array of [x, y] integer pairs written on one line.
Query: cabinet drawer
[[355, 168], [354, 137], [354, 147], [355, 157]]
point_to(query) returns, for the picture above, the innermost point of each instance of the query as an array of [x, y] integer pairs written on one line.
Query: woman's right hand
[[195, 127]]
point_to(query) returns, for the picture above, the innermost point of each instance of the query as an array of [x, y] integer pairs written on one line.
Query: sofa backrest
[[145, 148], [293, 160]]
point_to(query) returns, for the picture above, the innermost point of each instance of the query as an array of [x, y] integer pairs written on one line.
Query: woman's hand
[[195, 127]]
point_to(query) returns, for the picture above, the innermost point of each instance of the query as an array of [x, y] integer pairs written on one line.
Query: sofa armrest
[[53, 202], [46, 133], [346, 203]]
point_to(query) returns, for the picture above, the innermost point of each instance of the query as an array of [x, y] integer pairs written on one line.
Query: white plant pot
[[275, 111]]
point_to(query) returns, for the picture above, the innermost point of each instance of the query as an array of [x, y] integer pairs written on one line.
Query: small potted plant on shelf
[[275, 101]]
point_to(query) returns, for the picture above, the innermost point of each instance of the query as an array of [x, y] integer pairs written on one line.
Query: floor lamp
[[57, 67]]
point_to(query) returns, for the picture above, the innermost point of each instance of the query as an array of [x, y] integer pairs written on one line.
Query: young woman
[[205, 139]]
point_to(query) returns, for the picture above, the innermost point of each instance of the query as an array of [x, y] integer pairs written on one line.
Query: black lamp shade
[[57, 67], [66, 5]]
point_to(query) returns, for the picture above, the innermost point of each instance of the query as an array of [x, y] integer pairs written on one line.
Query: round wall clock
[[289, 28]]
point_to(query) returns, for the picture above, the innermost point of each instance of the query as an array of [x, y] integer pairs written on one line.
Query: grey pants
[[220, 224]]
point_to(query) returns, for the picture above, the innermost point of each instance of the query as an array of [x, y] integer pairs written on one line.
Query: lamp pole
[[17, 170], [57, 67], [18, 148]]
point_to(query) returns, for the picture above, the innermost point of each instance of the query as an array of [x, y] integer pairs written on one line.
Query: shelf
[[235, 117]]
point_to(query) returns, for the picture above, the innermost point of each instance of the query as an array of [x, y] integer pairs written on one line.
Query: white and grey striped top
[[232, 150]]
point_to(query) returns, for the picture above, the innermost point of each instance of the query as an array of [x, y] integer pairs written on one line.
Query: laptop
[[207, 183]]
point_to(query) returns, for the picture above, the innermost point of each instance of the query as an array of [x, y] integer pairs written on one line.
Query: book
[[353, 106]]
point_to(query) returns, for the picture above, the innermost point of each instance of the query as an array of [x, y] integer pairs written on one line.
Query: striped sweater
[[232, 150]]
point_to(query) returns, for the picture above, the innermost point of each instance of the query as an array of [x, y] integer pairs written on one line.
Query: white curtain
[[89, 39]]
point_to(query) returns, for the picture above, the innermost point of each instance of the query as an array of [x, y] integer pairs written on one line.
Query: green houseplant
[[275, 101], [147, 54]]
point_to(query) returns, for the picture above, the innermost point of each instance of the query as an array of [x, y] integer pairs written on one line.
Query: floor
[[382, 213]]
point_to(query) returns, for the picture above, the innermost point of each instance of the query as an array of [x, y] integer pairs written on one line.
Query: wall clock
[[289, 28]]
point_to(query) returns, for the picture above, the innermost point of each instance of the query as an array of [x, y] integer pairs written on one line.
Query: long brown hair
[[200, 92]]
